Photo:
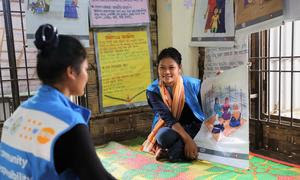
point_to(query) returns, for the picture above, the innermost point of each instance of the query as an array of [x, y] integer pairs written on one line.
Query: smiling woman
[[175, 101]]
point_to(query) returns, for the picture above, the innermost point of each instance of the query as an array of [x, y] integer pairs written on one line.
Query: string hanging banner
[[110, 13]]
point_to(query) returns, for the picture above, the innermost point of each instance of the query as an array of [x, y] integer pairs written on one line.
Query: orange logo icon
[[45, 135]]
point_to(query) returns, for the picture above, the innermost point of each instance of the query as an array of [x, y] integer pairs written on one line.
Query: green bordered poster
[[124, 67]]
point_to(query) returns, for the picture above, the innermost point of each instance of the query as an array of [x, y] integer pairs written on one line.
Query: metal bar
[[2, 94], [18, 67], [13, 11], [18, 79], [24, 49], [283, 71], [279, 101], [269, 74], [11, 53], [259, 76], [292, 73], [274, 57]]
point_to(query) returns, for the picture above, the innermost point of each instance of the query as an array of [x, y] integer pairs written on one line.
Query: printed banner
[[125, 69], [224, 135], [222, 59], [118, 12], [213, 24], [291, 10], [70, 17], [257, 15]]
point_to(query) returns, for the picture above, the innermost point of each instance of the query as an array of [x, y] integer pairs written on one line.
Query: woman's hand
[[190, 149]]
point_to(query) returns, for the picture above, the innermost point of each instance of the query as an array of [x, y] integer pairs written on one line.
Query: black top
[[74, 150], [158, 106]]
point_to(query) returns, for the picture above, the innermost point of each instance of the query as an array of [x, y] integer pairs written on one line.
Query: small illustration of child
[[211, 4], [215, 20], [226, 110], [71, 9], [218, 107], [40, 6], [235, 120], [218, 124]]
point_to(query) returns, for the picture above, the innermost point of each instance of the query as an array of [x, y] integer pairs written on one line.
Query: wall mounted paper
[[213, 23], [118, 12], [257, 15], [223, 59], [70, 17], [224, 135], [125, 70], [291, 10]]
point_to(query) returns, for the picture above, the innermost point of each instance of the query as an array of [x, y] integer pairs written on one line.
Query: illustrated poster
[[70, 17], [257, 15], [224, 135], [213, 23]]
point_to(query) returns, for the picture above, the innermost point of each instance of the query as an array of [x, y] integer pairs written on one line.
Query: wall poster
[[105, 13], [225, 58], [124, 67], [224, 135], [257, 15], [291, 10], [70, 17], [213, 24]]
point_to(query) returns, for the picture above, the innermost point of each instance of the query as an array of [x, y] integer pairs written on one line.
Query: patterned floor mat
[[126, 161]]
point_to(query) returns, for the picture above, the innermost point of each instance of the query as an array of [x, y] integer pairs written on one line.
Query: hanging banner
[[105, 13], [124, 68], [257, 15], [70, 17], [291, 10], [213, 24], [224, 135], [226, 58]]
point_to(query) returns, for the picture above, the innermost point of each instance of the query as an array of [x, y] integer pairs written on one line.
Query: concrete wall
[[175, 22]]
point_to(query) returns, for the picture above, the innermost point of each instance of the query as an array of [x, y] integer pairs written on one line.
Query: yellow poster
[[125, 67]]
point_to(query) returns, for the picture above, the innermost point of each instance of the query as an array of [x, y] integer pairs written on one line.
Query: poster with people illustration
[[63, 14], [256, 15], [213, 23], [224, 135]]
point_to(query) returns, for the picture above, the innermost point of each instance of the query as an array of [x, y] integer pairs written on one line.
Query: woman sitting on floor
[[47, 137], [176, 103]]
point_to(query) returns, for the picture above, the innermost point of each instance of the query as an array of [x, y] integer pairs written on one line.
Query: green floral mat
[[126, 161]]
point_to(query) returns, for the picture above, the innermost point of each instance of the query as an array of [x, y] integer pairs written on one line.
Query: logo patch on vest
[[45, 135], [32, 131]]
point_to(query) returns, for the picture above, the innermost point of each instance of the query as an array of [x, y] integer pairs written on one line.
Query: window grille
[[275, 71], [18, 77]]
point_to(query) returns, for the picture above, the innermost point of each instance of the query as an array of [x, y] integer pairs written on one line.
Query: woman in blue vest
[[178, 116], [47, 137]]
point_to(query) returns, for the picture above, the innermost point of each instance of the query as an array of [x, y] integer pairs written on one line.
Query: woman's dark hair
[[56, 53], [170, 53]]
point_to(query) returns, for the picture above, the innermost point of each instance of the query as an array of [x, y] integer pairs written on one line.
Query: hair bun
[[46, 37]]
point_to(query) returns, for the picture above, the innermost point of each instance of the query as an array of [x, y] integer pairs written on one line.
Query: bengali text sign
[[125, 67], [118, 12]]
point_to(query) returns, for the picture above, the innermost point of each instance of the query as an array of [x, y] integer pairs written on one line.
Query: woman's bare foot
[[161, 154]]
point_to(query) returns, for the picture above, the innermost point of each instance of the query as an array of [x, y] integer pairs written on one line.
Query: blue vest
[[191, 91], [29, 135]]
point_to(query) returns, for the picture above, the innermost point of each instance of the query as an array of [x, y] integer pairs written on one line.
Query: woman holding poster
[[176, 103]]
